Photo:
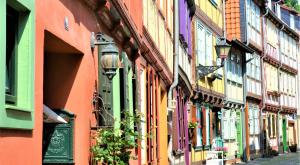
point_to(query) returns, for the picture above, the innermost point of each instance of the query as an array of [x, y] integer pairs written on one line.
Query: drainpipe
[[243, 111], [175, 80], [262, 80], [225, 61], [278, 74], [244, 66], [225, 69]]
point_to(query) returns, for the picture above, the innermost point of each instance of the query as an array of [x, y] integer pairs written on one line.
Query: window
[[152, 142], [257, 18], [254, 22], [11, 45], [234, 67], [278, 12], [208, 43], [229, 124], [17, 74], [232, 125], [254, 74], [207, 125], [200, 44], [199, 126], [204, 45], [232, 61], [225, 125]]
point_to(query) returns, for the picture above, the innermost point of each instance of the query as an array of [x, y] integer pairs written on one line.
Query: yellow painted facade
[[212, 11], [197, 156], [160, 27], [215, 14]]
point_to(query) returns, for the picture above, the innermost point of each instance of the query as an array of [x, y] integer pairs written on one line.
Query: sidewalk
[[283, 159]]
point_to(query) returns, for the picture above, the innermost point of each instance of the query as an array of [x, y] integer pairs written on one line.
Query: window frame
[[21, 114], [199, 125]]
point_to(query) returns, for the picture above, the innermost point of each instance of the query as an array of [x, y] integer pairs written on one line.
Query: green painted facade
[[19, 115]]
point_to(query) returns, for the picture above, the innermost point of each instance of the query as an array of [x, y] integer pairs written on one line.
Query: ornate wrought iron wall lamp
[[109, 54], [222, 49]]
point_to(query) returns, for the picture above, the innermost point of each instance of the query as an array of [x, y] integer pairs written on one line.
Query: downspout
[[225, 68], [245, 87], [243, 111], [225, 60], [278, 74], [263, 81], [175, 79]]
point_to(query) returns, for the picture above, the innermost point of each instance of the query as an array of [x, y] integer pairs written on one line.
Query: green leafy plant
[[193, 125], [114, 145], [293, 3]]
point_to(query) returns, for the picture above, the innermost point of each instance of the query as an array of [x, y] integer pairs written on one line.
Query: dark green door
[[239, 135], [285, 147]]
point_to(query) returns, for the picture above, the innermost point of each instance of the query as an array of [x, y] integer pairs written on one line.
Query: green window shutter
[[19, 114], [225, 128], [239, 133], [126, 84]]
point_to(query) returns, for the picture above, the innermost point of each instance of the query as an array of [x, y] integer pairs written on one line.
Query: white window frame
[[208, 50], [199, 130], [292, 21], [207, 125]]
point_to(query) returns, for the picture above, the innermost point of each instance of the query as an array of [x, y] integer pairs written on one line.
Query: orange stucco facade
[[66, 75], [25, 147]]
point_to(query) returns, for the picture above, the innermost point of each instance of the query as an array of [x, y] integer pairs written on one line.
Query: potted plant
[[113, 145], [192, 126], [225, 151]]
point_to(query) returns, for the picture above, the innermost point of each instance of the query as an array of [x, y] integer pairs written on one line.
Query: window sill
[[202, 148], [12, 107], [198, 148]]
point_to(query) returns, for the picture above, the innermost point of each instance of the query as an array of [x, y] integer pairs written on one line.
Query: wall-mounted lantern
[[108, 63], [110, 60], [222, 49]]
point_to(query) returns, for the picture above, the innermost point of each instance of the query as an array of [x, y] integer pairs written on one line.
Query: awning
[[51, 117]]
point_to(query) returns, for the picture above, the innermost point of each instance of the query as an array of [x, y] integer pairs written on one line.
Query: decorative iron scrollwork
[[205, 70], [101, 111]]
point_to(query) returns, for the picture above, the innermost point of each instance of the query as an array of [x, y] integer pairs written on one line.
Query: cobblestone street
[[285, 159]]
